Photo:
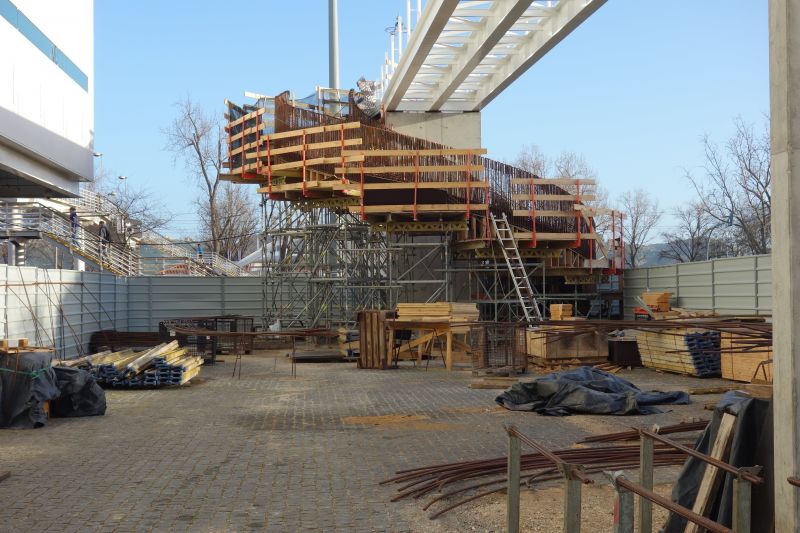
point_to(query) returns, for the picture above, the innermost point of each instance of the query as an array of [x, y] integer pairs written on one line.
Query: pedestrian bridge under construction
[[330, 162]]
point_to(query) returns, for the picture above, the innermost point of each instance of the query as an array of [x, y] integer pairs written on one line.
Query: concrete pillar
[[459, 130], [784, 52]]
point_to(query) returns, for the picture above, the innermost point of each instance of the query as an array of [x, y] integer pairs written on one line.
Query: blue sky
[[632, 90]]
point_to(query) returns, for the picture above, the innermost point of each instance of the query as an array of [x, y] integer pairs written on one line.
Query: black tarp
[[27, 380], [80, 395], [585, 390], [751, 445]]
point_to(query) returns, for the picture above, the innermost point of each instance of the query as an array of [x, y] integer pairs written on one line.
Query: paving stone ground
[[269, 452]]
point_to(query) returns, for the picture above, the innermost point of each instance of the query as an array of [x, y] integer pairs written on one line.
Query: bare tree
[[237, 218], [533, 160], [642, 214], [736, 186], [194, 137], [229, 219], [691, 239]]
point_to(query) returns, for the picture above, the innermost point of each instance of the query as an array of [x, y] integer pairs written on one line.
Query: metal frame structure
[[462, 54]]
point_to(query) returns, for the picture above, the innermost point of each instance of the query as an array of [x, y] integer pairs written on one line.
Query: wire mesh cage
[[499, 347], [211, 336]]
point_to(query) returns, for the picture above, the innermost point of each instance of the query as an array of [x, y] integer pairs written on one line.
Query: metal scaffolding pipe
[[333, 44]]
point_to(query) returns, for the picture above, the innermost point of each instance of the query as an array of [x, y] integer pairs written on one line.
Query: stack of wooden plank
[[163, 365], [743, 360], [560, 311], [348, 342], [438, 312], [549, 344], [693, 352], [373, 351], [657, 301]]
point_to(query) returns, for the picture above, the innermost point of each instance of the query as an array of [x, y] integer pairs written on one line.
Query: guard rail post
[[512, 505], [572, 498], [623, 505], [646, 480], [742, 501]]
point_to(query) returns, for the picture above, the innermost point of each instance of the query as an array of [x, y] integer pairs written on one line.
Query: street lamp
[[100, 156], [124, 179]]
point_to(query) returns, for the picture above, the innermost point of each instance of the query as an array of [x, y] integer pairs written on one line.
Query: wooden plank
[[314, 130], [554, 197], [309, 163], [441, 152], [544, 213], [247, 117], [711, 476], [411, 169], [546, 236], [552, 181], [420, 185], [310, 146], [420, 208]]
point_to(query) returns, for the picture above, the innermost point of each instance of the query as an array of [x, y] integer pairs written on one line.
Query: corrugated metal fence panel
[[730, 286], [153, 299], [60, 308]]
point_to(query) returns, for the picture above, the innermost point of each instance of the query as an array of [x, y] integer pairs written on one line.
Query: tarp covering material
[[751, 444], [585, 390], [27, 380], [80, 394]]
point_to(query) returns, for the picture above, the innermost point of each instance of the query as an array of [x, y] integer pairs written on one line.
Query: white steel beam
[[499, 20], [568, 16], [434, 18]]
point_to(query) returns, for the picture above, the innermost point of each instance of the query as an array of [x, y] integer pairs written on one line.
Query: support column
[[784, 52]]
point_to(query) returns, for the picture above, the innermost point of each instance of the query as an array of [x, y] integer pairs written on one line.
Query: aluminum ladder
[[516, 268]]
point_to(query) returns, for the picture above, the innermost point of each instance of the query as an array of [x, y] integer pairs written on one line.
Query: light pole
[[100, 156], [124, 180]]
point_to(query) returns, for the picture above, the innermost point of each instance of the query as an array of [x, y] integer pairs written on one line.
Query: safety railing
[[745, 478], [574, 478], [33, 216]]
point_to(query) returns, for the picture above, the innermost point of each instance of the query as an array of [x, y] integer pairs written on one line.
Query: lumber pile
[[560, 311], [164, 365], [693, 352], [373, 351], [743, 359], [438, 312], [657, 301], [348, 342], [554, 344]]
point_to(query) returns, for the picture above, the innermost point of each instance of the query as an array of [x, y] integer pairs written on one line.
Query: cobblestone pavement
[[270, 452]]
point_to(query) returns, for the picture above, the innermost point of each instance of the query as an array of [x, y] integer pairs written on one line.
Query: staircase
[[33, 220], [212, 264], [516, 268]]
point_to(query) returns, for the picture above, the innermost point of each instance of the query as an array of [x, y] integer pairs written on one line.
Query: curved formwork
[[407, 184]]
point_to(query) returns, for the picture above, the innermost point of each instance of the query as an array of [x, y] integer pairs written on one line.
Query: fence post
[[646, 480], [512, 505], [742, 500], [572, 500], [623, 505]]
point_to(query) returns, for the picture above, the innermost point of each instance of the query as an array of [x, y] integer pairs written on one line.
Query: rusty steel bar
[[563, 465], [668, 504], [722, 465]]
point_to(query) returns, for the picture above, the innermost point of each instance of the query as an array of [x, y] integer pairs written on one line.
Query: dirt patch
[[400, 421], [542, 510], [475, 409]]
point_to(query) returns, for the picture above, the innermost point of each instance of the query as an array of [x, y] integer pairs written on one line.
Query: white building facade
[[46, 97]]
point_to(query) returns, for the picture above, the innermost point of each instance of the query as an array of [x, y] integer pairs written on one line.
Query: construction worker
[[74, 224], [105, 239]]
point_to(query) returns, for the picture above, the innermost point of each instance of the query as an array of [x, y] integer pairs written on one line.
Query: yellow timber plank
[[527, 235], [553, 181], [411, 169], [553, 197], [316, 129], [309, 163], [543, 213], [420, 208], [442, 152]]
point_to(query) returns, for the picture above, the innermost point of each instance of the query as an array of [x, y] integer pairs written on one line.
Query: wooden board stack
[[438, 312], [373, 351], [657, 301], [741, 361], [546, 344], [560, 311], [693, 352]]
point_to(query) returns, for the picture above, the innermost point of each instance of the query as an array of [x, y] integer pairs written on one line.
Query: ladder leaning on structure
[[516, 268]]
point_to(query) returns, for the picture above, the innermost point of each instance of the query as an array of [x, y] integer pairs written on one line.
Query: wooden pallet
[[668, 350]]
